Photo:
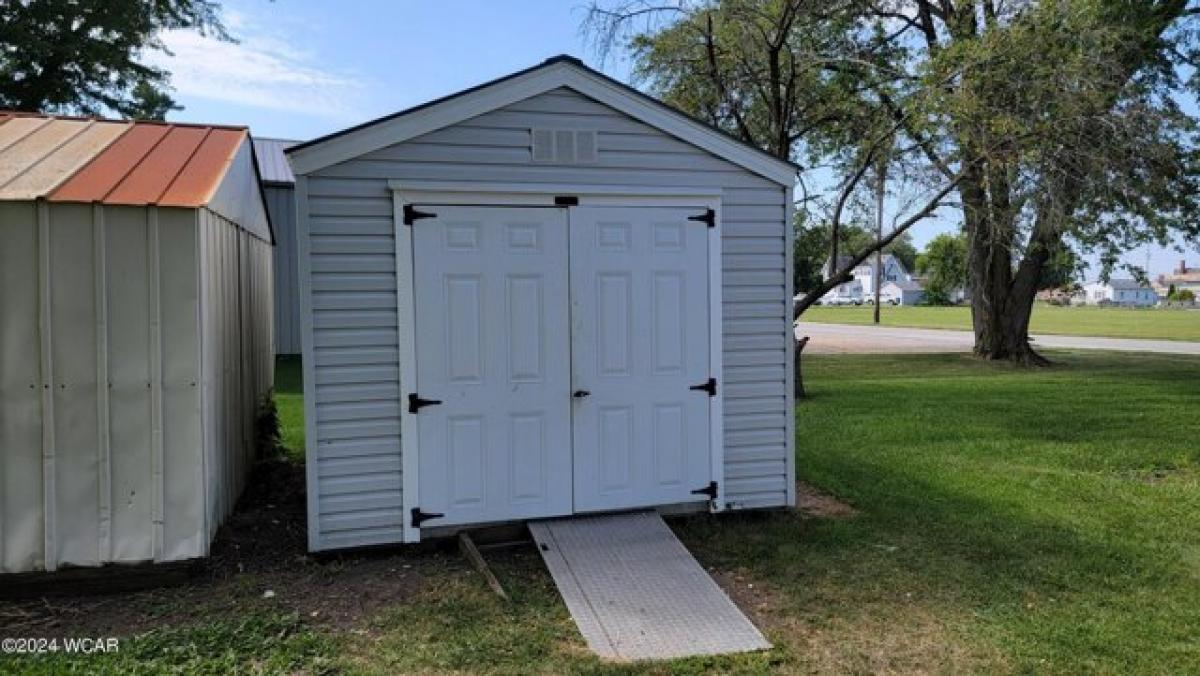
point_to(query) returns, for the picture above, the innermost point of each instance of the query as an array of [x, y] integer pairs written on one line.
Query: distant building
[[1181, 278], [1055, 296], [862, 287], [1118, 292], [902, 292]]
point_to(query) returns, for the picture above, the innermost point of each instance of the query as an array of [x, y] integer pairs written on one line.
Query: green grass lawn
[[1070, 321], [1047, 519], [1007, 521], [289, 404]]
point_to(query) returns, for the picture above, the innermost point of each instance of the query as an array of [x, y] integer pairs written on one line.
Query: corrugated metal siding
[[281, 204], [238, 197], [353, 286], [21, 546], [100, 420], [237, 354], [105, 437]]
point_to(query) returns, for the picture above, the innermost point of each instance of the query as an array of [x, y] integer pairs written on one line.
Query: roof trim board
[[554, 73]]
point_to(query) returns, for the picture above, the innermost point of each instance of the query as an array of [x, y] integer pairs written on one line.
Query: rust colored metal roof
[[66, 159]]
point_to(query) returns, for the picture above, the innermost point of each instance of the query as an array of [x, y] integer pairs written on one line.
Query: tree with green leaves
[[944, 266], [764, 71], [84, 56], [1048, 123]]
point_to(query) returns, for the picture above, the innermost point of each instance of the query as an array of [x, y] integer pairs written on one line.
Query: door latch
[[580, 394]]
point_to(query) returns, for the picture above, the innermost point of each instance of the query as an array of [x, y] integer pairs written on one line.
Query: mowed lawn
[[1005, 520], [1152, 323]]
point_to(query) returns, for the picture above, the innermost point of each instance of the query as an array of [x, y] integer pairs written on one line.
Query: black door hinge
[[419, 517], [710, 490], [566, 201], [709, 216], [411, 214], [710, 387], [415, 403]]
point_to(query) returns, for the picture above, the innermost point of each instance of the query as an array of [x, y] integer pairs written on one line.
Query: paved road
[[857, 339]]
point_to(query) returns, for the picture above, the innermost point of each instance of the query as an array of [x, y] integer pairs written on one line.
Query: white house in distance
[[1118, 292], [862, 288], [901, 292]]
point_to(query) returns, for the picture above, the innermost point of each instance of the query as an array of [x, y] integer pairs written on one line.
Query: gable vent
[[564, 146]]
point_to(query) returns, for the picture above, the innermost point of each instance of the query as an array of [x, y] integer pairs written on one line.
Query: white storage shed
[[279, 189], [547, 295], [135, 337]]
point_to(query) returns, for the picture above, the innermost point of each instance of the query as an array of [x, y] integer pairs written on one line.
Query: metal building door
[[492, 347], [640, 353]]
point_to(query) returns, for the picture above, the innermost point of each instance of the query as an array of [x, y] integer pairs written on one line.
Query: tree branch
[[844, 274]]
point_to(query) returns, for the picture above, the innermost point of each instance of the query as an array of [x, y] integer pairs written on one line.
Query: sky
[[304, 68]]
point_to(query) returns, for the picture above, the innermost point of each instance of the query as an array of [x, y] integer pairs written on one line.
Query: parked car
[[842, 300]]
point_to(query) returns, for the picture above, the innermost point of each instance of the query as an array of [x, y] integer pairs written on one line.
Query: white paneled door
[[491, 316], [563, 348], [639, 342]]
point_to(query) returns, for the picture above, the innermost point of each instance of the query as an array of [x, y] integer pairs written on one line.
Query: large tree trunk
[[1001, 305], [1001, 302], [1005, 335], [1001, 297]]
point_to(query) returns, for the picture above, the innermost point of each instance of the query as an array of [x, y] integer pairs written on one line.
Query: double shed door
[[564, 346]]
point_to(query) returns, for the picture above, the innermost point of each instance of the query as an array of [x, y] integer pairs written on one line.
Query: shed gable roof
[[66, 159], [131, 163], [561, 71]]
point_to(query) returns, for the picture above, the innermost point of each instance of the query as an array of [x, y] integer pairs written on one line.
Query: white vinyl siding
[[351, 262]]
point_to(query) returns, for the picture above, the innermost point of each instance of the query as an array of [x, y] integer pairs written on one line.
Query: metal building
[[279, 188], [135, 337], [549, 294]]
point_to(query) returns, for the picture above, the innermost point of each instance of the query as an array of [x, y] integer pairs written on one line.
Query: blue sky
[[304, 68]]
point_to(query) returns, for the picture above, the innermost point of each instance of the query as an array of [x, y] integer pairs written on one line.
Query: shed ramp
[[636, 593]]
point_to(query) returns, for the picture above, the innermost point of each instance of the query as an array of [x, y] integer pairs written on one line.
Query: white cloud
[[262, 70]]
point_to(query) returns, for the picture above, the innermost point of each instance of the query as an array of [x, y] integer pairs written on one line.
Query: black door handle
[[580, 394]]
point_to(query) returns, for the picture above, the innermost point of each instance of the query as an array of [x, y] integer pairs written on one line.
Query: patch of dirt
[[1159, 474], [814, 503], [259, 561], [761, 602]]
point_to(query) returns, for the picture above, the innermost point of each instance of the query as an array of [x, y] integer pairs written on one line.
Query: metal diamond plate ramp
[[636, 593]]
